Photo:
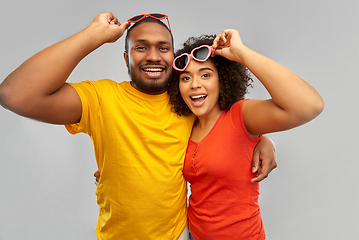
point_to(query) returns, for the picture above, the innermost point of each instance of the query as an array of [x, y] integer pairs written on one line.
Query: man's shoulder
[[107, 82], [101, 84], [101, 81]]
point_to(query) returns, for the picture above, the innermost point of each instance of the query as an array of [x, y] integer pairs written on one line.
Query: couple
[[140, 144]]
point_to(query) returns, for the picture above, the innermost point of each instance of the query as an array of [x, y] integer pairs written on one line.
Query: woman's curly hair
[[234, 78]]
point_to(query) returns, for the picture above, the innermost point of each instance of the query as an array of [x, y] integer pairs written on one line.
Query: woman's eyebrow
[[200, 70], [206, 68]]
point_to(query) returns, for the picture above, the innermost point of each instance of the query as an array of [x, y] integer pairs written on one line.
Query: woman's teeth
[[195, 98]]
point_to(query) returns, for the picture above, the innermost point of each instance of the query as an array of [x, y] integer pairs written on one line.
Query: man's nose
[[153, 55]]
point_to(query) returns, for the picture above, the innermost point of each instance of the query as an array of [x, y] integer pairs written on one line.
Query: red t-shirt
[[224, 203]]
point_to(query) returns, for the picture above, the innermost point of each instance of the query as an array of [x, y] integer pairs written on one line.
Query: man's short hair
[[147, 19]]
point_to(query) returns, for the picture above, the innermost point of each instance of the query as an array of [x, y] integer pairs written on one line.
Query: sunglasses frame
[[142, 16], [191, 55]]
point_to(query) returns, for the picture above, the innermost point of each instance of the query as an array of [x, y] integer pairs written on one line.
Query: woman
[[212, 79]]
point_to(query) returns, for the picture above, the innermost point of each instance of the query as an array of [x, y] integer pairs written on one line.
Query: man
[[139, 143]]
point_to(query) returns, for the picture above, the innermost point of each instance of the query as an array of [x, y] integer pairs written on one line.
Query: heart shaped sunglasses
[[200, 54]]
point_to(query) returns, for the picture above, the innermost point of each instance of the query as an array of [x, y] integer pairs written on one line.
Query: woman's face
[[199, 87]]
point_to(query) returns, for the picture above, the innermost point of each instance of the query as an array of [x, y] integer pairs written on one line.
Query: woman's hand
[[228, 44]]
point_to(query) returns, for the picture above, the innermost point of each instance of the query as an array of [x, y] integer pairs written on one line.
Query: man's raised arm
[[37, 88]]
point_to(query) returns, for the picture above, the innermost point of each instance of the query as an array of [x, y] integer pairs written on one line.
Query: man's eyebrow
[[145, 41], [140, 40], [165, 42]]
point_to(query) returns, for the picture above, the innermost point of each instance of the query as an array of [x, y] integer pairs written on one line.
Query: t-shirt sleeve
[[90, 103], [238, 121]]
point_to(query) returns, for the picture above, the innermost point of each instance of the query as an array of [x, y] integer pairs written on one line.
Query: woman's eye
[[186, 78], [205, 75]]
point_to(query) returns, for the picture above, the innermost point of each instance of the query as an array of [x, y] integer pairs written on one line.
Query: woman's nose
[[196, 82]]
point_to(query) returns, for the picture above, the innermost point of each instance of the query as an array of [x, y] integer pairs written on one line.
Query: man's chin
[[153, 86]]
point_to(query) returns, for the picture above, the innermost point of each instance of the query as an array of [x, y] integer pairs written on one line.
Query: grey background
[[46, 177]]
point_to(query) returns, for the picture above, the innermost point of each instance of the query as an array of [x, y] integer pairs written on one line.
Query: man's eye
[[164, 49], [140, 48]]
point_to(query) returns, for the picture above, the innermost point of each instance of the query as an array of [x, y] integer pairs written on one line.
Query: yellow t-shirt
[[140, 147]]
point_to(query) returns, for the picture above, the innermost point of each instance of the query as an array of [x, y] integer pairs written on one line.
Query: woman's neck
[[204, 125]]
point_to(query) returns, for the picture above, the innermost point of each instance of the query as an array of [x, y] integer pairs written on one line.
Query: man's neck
[[147, 92]]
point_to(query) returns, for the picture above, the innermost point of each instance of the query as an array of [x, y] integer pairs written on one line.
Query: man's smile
[[153, 71]]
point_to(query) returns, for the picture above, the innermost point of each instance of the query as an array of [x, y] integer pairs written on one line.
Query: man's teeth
[[153, 69]]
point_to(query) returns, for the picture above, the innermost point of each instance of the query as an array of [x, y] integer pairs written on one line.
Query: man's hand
[[264, 159], [109, 27], [97, 176]]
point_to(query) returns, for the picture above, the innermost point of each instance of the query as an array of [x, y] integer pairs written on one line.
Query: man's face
[[150, 57]]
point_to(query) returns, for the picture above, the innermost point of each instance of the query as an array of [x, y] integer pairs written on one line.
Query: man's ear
[[125, 56]]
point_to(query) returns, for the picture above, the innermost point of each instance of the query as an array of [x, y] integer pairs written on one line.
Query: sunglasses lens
[[201, 53], [181, 62], [136, 18], [158, 15]]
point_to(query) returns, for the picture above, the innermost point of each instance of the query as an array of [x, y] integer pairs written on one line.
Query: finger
[[97, 177], [264, 170], [260, 176], [114, 20], [212, 50], [124, 25], [219, 41], [215, 41], [109, 16], [224, 36], [215, 45], [255, 161], [257, 173]]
